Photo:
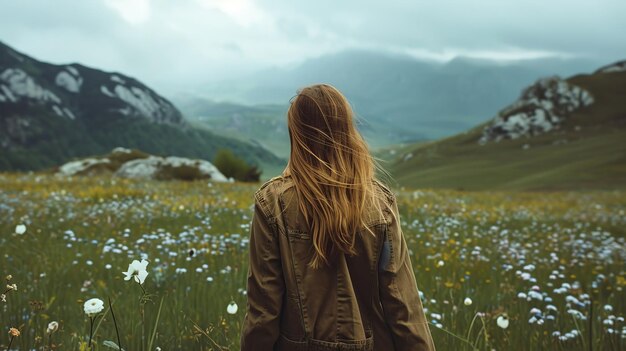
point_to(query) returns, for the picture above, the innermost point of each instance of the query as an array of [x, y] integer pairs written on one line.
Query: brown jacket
[[359, 303]]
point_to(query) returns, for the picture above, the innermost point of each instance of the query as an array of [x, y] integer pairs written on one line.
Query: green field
[[554, 263]]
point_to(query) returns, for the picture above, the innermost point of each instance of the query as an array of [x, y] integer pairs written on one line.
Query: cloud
[[133, 11], [175, 43]]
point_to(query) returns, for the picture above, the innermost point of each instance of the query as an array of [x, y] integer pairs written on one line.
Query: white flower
[[93, 307], [503, 321], [467, 301], [52, 327], [20, 229], [137, 270], [440, 263], [232, 308]]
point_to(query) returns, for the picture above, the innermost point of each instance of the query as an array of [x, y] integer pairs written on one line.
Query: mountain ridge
[[50, 114], [398, 98]]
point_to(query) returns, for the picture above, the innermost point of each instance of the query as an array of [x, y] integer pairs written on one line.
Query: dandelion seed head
[[93, 306], [20, 229], [52, 327], [232, 308]]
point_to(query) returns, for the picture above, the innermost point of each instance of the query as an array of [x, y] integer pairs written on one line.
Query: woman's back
[[329, 267], [367, 301]]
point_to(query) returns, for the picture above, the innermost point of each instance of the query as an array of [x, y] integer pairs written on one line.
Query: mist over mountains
[[397, 98]]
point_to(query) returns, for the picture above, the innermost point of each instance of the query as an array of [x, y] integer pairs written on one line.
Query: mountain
[[559, 134], [399, 98], [262, 125], [50, 114]]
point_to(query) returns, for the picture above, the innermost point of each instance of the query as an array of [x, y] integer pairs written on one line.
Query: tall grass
[[507, 252]]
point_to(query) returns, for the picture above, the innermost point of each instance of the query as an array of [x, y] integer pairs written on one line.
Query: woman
[[329, 266]]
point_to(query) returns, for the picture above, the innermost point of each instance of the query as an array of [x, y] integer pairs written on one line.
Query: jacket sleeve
[[265, 286], [399, 296]]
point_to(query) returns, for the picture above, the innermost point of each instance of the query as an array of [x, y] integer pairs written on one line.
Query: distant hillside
[[399, 98], [560, 134], [50, 114], [263, 125]]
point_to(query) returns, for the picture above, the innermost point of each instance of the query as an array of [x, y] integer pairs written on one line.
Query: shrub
[[234, 167]]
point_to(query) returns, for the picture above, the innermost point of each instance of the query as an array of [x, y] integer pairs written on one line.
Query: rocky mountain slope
[[51, 113], [560, 134]]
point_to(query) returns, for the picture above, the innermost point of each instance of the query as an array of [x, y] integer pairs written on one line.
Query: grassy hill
[[588, 151]]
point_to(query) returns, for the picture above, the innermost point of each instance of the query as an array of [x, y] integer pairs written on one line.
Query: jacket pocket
[[287, 344]]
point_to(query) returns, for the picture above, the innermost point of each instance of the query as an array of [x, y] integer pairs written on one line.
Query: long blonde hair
[[331, 168]]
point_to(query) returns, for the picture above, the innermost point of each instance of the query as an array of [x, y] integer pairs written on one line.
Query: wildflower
[[503, 321], [93, 307], [3, 298], [14, 332], [20, 229], [577, 314], [440, 263], [137, 270], [467, 301], [52, 327], [232, 308], [11, 287]]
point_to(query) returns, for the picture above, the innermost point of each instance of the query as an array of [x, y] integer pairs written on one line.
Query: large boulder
[[129, 163], [155, 167]]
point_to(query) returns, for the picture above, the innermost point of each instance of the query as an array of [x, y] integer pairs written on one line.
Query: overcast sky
[[165, 42]]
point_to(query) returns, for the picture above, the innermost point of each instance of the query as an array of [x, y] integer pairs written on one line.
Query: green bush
[[234, 167]]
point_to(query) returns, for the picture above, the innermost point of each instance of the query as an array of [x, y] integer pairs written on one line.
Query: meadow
[[497, 270]]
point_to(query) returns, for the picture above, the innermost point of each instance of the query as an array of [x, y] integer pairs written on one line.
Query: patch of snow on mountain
[[616, 67], [8, 93], [23, 85], [126, 111], [117, 79], [75, 167], [69, 113], [73, 70], [71, 83], [141, 100], [57, 110], [541, 108], [104, 90]]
